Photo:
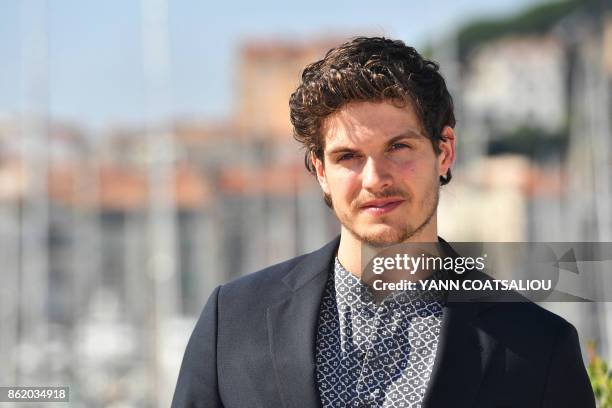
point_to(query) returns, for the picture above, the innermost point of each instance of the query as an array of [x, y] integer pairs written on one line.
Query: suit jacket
[[254, 346]]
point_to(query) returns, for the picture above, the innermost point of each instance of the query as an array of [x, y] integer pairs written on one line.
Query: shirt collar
[[352, 292]]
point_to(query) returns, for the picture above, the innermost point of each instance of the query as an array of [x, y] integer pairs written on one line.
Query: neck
[[350, 249]]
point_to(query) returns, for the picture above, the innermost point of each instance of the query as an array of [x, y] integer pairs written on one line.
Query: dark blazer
[[254, 346]]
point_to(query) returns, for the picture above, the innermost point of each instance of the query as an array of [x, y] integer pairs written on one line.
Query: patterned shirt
[[372, 354]]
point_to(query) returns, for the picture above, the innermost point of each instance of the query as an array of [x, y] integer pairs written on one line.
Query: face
[[381, 172]]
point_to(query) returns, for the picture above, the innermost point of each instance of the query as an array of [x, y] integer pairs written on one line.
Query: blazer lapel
[[463, 356], [292, 328], [464, 350]]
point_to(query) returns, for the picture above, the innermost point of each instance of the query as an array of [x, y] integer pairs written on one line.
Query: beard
[[395, 235]]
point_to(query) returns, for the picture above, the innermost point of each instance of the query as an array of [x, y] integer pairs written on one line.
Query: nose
[[376, 175]]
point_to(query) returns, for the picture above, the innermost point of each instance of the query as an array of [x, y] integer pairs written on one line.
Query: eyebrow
[[408, 134]]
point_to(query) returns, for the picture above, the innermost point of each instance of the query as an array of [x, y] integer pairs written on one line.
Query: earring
[[445, 179]]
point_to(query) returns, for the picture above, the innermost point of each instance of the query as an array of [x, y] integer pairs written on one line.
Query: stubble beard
[[393, 237]]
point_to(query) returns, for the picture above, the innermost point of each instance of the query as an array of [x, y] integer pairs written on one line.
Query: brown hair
[[369, 69]]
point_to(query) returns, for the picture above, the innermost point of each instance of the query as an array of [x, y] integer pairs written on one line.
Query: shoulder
[[526, 327], [525, 313], [514, 316], [278, 280], [262, 284]]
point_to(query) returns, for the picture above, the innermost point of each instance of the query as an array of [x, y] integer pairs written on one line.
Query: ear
[[321, 175], [446, 158]]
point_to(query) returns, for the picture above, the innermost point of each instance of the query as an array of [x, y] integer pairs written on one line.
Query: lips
[[384, 206]]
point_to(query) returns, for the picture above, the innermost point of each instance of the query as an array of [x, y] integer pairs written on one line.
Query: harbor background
[[146, 156]]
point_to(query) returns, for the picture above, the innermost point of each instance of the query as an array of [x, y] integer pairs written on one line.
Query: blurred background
[[146, 156]]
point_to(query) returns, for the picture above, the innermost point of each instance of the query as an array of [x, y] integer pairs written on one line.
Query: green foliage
[[535, 20], [601, 378]]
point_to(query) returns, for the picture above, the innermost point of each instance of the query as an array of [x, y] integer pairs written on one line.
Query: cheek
[[416, 172], [345, 183], [408, 169]]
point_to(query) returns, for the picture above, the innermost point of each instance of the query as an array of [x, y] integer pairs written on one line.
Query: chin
[[383, 236]]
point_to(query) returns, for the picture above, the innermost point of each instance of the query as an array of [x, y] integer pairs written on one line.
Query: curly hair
[[372, 69]]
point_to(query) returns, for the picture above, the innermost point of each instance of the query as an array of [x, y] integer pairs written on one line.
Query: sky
[[94, 67]]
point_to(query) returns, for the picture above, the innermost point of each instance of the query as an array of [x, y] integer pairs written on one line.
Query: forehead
[[363, 123]]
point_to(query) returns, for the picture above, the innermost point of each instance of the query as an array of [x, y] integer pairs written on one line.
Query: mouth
[[379, 207]]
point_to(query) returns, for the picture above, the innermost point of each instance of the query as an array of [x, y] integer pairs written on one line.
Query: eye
[[398, 146], [346, 156]]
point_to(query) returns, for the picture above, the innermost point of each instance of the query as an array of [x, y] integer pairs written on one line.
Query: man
[[377, 123]]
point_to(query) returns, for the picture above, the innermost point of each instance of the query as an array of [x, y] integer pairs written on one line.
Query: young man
[[377, 123]]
